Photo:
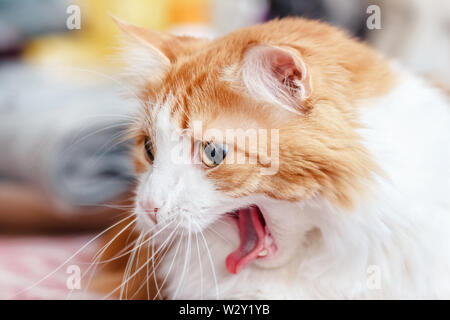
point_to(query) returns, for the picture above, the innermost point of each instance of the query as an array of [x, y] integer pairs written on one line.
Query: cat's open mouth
[[256, 242]]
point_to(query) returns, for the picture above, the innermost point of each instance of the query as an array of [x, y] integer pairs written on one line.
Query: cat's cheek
[[236, 180]]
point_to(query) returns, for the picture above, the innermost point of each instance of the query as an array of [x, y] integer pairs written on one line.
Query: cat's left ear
[[278, 75], [159, 43], [151, 53]]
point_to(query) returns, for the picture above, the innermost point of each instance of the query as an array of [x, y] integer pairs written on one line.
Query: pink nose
[[151, 210]]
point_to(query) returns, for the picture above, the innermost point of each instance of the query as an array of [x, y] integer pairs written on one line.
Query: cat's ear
[[157, 42], [278, 75], [148, 54]]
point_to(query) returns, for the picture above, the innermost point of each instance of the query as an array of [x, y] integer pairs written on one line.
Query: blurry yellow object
[[189, 11], [96, 42]]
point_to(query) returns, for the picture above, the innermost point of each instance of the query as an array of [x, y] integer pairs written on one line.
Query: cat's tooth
[[263, 253]]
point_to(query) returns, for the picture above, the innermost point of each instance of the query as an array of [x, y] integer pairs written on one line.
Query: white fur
[[395, 244]]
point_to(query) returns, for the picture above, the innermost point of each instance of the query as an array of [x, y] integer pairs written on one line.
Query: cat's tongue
[[252, 234]]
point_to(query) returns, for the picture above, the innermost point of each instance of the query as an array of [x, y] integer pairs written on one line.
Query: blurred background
[[64, 162]]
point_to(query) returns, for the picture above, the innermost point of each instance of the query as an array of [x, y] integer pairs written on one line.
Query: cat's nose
[[154, 215], [151, 209]]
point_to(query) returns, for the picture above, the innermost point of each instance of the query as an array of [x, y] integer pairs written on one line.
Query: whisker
[[200, 265], [170, 266], [128, 268], [140, 268], [68, 259], [100, 252], [159, 262], [219, 234], [211, 262], [186, 255]]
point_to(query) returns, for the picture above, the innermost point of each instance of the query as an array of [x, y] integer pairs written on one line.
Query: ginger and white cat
[[353, 201]]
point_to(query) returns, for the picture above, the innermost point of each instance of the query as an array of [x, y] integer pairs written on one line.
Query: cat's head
[[243, 128]]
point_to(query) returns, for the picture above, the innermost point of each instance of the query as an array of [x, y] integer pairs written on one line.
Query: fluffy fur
[[359, 206]]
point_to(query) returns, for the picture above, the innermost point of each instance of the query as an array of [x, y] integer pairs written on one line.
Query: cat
[[352, 203]]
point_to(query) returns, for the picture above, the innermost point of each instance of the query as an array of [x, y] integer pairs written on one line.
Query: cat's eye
[[213, 154], [148, 149]]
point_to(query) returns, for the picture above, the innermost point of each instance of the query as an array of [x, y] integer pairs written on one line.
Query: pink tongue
[[252, 234]]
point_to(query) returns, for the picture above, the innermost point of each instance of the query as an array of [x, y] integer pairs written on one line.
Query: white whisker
[[211, 262]]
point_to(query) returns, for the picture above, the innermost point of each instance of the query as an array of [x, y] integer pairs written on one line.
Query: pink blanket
[[44, 267]]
